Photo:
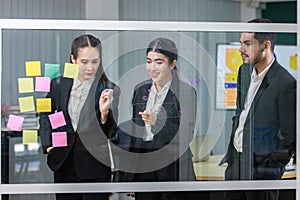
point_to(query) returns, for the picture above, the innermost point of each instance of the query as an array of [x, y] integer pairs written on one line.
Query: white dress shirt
[[79, 93], [255, 83], [154, 103]]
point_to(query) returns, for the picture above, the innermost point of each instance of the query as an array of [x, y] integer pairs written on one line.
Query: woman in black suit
[[164, 109], [89, 105]]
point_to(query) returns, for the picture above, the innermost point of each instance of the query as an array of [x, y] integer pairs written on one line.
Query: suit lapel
[[65, 95], [265, 83], [245, 79], [262, 88], [168, 104]]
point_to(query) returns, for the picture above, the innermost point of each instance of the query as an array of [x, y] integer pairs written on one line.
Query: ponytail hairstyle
[[87, 40], [164, 46]]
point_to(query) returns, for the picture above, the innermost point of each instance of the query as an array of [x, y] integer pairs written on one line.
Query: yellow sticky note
[[71, 70], [25, 85], [293, 62], [26, 104], [30, 136], [43, 105], [33, 68]]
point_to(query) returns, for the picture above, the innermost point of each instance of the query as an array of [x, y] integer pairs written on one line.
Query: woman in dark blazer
[[164, 110], [89, 105]]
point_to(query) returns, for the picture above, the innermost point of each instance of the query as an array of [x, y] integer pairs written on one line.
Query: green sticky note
[[30, 136], [71, 70], [52, 70], [33, 68], [25, 85]]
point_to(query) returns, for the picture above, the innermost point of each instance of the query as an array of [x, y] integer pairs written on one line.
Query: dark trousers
[[252, 195], [233, 172], [67, 174]]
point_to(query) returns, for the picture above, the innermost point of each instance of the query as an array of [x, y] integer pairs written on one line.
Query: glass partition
[[193, 119]]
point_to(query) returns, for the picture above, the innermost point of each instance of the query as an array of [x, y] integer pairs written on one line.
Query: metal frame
[[153, 26]]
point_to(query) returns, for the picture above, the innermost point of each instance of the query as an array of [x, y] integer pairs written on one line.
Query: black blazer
[[88, 144], [173, 131], [269, 135]]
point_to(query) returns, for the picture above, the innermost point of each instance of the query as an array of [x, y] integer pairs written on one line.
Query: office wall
[[282, 12], [53, 47], [42, 9], [178, 10]]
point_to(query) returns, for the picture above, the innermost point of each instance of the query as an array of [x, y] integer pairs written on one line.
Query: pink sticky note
[[42, 84], [59, 139], [57, 119], [15, 122]]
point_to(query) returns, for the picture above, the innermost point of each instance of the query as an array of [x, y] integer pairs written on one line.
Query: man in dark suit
[[263, 135]]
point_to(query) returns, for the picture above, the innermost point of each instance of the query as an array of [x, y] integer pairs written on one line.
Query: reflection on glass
[[26, 158], [208, 61]]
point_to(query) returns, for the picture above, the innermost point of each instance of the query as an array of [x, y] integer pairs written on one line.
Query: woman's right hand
[[149, 117], [105, 100]]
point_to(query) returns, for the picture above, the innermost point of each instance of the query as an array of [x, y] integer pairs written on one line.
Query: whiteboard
[[228, 63]]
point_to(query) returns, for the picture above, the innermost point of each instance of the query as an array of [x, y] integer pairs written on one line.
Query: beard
[[256, 59]]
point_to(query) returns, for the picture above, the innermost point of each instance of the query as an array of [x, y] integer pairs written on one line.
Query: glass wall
[[193, 123]]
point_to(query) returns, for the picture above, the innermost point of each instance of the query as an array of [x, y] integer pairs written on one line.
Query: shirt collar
[[87, 83], [164, 89]]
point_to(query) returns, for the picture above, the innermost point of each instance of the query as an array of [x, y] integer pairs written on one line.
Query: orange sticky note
[[43, 105], [25, 85], [26, 104], [30, 136], [33, 68], [71, 70]]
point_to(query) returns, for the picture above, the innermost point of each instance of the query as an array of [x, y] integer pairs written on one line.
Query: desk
[[211, 171]]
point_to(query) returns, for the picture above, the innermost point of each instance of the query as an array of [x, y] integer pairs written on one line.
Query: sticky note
[[57, 119], [15, 122], [71, 70], [26, 104], [52, 70], [59, 139], [25, 85], [43, 105], [42, 84], [293, 62], [30, 136], [33, 68]]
